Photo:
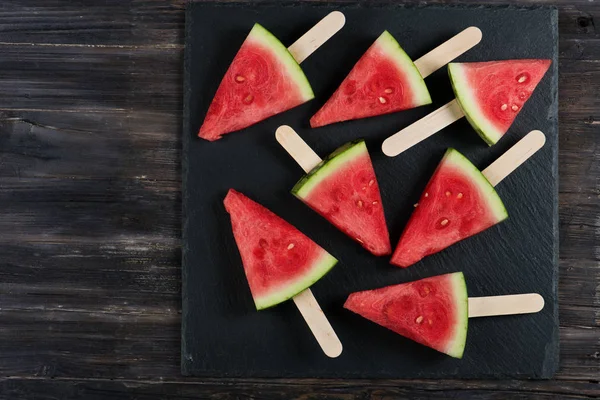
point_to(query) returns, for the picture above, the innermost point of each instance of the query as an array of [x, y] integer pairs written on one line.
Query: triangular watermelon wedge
[[457, 203], [383, 81], [343, 188], [279, 260], [262, 80], [493, 93], [432, 311]]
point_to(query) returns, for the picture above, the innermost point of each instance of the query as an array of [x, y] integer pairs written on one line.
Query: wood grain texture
[[90, 122]]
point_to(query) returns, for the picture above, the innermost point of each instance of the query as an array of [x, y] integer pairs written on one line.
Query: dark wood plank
[[91, 79], [142, 147], [112, 23], [294, 390], [159, 23]]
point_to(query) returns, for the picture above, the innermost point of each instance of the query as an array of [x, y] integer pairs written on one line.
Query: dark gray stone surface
[[222, 333]]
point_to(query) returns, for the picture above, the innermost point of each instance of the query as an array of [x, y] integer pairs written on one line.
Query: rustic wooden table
[[90, 126]]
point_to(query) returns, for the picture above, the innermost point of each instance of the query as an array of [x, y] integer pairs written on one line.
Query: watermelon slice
[[263, 80], [493, 93], [279, 260], [458, 202], [432, 311], [343, 188], [383, 81]]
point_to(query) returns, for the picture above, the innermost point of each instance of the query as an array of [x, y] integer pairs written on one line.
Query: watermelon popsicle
[[435, 311], [459, 201], [489, 94], [265, 79], [280, 263], [342, 188], [385, 79]]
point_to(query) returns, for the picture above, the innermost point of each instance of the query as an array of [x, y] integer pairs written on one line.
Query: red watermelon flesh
[[263, 80], [383, 81], [279, 260], [431, 311], [493, 93], [457, 203], [343, 189]]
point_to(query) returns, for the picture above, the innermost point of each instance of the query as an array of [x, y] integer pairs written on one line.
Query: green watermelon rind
[[320, 268], [456, 347], [329, 166], [490, 195], [393, 50], [293, 69], [488, 132]]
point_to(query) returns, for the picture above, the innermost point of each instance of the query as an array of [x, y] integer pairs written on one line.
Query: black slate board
[[222, 334]]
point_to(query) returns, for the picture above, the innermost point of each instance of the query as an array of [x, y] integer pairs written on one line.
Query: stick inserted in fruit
[[280, 263], [489, 94], [265, 79], [459, 201], [385, 79], [342, 188], [435, 311]]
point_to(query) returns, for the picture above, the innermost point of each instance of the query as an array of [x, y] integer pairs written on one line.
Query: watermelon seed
[[426, 194], [248, 99], [521, 78], [371, 182], [290, 246], [415, 205], [389, 90], [382, 100], [504, 107], [364, 188], [358, 240], [375, 203], [419, 319], [523, 95], [239, 78], [429, 321], [515, 107], [444, 222], [448, 193], [359, 203], [459, 196]]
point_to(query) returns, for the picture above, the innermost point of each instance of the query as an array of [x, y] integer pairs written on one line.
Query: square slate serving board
[[222, 333]]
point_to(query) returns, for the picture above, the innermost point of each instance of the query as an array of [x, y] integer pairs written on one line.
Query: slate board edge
[[185, 361], [367, 4], [553, 357]]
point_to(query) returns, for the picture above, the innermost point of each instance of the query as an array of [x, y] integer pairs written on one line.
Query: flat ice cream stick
[[515, 156], [505, 305], [448, 51], [297, 148], [317, 35], [422, 129], [318, 323]]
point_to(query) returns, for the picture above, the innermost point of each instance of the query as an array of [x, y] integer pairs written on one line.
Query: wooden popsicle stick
[[302, 48], [305, 301], [297, 148], [448, 51], [422, 129], [505, 305], [515, 156], [318, 323]]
